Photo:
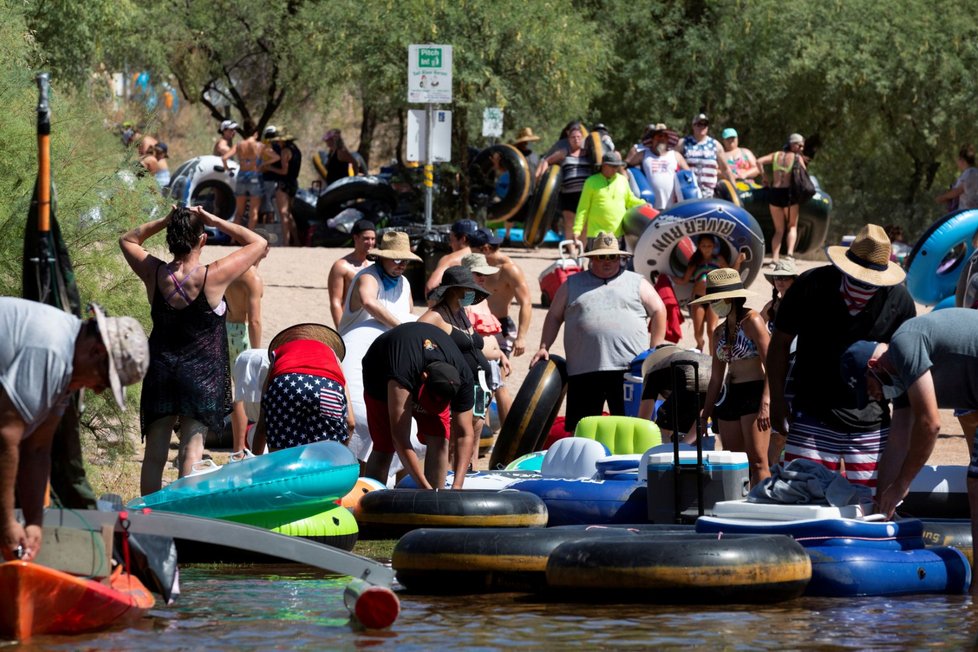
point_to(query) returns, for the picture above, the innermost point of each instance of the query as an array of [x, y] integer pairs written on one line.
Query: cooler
[[726, 477], [633, 384]]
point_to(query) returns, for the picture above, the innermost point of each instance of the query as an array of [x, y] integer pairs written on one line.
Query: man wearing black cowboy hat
[[416, 371], [607, 310], [859, 296], [605, 199]]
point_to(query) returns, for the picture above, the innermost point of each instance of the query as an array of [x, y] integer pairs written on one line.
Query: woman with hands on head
[[188, 378]]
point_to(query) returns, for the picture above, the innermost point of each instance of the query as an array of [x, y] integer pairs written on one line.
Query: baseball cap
[[361, 226], [228, 124], [796, 138], [700, 117], [465, 227], [613, 159], [443, 379], [729, 132], [127, 348], [270, 132], [484, 236], [853, 366]]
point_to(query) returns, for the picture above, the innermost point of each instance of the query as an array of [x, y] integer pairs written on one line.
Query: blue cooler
[[633, 384]]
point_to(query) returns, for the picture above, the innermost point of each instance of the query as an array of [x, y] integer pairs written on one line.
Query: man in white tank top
[[659, 165]]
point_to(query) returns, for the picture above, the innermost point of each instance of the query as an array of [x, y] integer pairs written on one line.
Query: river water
[[289, 607]]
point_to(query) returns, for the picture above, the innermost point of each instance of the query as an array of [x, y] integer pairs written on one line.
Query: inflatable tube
[[486, 439], [681, 568], [955, 533], [725, 190], [520, 179], [813, 216], [335, 527], [485, 559], [839, 571], [532, 413], [396, 511], [966, 291], [516, 235], [543, 207], [294, 477], [364, 486], [946, 302], [687, 184], [479, 480], [587, 501], [204, 181], [640, 185], [938, 491], [935, 261], [662, 246], [897, 535], [338, 193], [529, 462], [636, 222], [594, 148]]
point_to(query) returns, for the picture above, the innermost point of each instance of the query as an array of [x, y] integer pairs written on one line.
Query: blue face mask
[[389, 282], [468, 298]]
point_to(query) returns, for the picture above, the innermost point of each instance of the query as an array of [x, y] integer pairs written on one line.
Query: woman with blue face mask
[[447, 302]]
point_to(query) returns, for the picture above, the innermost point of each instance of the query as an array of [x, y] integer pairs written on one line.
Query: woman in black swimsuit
[[457, 290], [188, 378]]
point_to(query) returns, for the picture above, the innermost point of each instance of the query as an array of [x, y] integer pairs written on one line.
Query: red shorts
[[379, 423]]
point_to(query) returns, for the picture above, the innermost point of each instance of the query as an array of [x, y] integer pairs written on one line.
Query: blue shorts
[[248, 184]]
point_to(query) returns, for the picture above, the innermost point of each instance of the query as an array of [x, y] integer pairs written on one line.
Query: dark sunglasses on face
[[608, 257], [701, 124], [398, 261]]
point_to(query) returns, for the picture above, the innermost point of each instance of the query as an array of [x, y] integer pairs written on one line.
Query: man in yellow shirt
[[605, 199]]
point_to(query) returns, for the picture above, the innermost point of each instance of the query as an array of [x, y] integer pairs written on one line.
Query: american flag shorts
[[811, 439], [302, 409]]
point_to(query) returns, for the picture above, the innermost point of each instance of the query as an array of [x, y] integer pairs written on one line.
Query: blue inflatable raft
[[848, 571]]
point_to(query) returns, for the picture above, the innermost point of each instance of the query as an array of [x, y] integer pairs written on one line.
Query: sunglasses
[[701, 124], [398, 261], [607, 257]]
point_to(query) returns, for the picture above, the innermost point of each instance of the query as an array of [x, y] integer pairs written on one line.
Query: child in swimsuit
[[705, 259]]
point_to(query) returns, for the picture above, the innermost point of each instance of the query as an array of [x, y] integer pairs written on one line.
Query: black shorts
[[780, 197], [289, 187], [568, 201], [738, 400]]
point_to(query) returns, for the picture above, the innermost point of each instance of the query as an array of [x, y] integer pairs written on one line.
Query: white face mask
[[722, 308]]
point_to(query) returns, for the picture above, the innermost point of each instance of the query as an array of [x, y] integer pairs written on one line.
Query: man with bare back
[[343, 270], [252, 154], [458, 240], [507, 285], [243, 326]]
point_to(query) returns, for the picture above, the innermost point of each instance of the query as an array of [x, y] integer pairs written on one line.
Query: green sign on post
[[429, 57]]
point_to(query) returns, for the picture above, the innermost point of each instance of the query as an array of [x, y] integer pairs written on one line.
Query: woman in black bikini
[[188, 378], [458, 290]]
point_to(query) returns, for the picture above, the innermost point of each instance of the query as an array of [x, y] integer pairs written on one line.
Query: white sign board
[[430, 74], [441, 136], [492, 122]]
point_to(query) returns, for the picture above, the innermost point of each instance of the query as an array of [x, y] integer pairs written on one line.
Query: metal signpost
[[429, 83]]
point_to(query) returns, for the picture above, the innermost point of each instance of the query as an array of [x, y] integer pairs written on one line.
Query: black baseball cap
[[443, 379], [465, 227], [361, 226], [484, 236]]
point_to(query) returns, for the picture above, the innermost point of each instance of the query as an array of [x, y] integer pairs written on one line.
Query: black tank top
[[295, 163], [274, 176], [336, 169]]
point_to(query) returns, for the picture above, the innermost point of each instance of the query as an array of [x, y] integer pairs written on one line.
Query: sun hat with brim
[[654, 359], [605, 244], [477, 264], [783, 268], [314, 332], [723, 283], [127, 348], [458, 276], [666, 354], [526, 135], [394, 245], [867, 259]]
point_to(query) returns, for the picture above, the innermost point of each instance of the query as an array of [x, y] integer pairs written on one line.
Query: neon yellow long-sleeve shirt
[[603, 204]]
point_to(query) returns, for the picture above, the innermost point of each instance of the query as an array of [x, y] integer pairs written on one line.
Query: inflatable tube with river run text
[[543, 207], [662, 247], [520, 179], [393, 512], [681, 568], [935, 262], [532, 413]]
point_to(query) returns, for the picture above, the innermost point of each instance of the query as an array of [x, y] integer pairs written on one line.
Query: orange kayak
[[41, 600]]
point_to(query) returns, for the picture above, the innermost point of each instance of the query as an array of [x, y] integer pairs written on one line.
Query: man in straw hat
[[416, 371], [46, 355], [606, 309], [859, 296], [605, 199], [930, 363], [379, 299]]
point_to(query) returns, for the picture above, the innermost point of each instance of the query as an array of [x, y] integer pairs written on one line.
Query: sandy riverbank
[[295, 292]]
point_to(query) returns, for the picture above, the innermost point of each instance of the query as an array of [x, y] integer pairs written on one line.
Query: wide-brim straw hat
[[394, 245], [666, 354], [526, 135], [784, 268], [458, 276], [867, 259], [723, 283], [311, 331], [605, 244]]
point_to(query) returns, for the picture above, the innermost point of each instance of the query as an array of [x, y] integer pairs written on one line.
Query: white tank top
[[397, 300], [661, 173]]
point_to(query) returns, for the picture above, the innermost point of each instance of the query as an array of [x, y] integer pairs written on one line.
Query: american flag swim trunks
[[302, 409]]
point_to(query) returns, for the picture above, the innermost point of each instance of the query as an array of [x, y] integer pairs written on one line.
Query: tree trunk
[[461, 138], [368, 126]]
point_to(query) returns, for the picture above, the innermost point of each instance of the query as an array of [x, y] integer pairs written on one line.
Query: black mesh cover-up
[[188, 364]]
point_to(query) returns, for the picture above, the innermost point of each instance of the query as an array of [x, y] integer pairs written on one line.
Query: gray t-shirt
[[969, 181], [946, 343], [36, 354]]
